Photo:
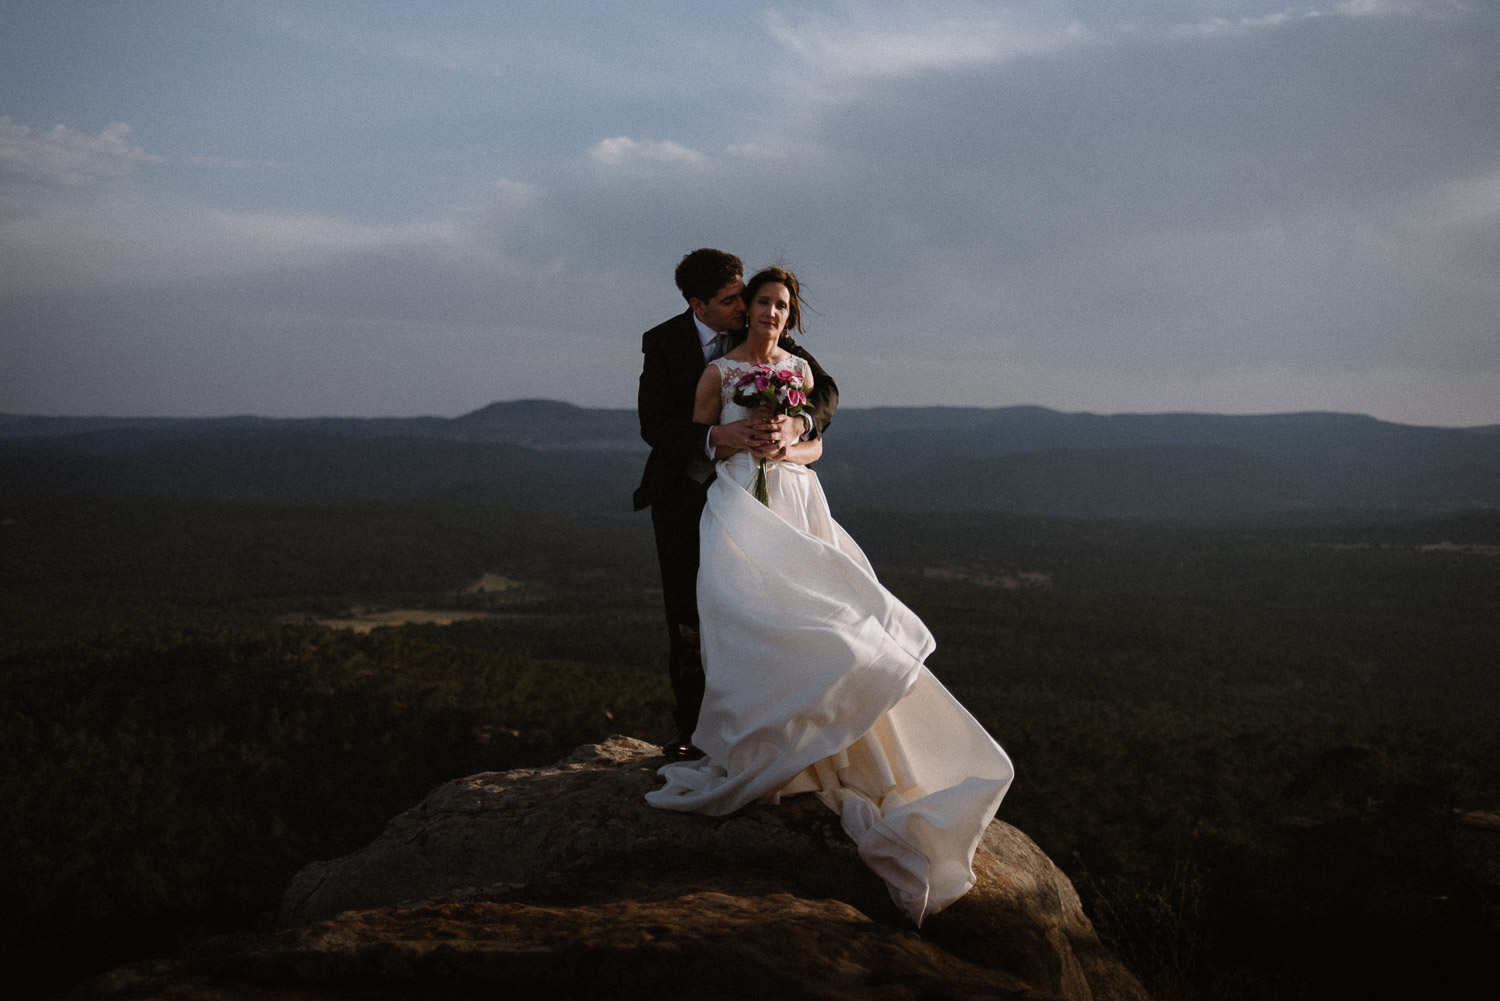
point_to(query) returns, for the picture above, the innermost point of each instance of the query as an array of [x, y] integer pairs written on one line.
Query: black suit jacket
[[664, 403]]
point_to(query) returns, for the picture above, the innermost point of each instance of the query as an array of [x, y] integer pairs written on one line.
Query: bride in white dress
[[815, 673]]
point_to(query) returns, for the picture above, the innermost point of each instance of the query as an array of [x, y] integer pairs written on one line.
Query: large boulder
[[562, 882]]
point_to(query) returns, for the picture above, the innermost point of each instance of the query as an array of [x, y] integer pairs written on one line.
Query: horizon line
[[14, 416]]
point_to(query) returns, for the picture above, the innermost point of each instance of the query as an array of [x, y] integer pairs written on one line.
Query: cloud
[[1471, 201], [761, 151], [622, 150], [858, 43], [514, 194], [218, 162], [1402, 8], [425, 43], [64, 157], [100, 245], [1219, 27], [1275, 211], [525, 53]]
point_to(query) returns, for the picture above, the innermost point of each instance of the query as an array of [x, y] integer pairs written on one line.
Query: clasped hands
[[765, 434]]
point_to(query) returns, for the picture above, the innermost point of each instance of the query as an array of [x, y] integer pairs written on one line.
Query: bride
[[815, 673]]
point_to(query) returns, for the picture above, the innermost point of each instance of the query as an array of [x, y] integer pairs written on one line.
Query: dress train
[[816, 683]]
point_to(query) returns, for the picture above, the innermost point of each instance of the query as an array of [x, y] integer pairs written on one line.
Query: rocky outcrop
[[562, 882]]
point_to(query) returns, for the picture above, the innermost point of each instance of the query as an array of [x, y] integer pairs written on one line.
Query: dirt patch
[[363, 622], [492, 583], [1008, 581]]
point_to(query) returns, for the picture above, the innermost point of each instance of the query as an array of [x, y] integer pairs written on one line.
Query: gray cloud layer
[[1218, 207]]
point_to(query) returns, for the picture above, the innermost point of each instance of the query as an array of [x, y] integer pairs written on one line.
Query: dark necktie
[[719, 345]]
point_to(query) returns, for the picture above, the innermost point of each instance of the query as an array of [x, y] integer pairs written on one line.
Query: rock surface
[[562, 882]]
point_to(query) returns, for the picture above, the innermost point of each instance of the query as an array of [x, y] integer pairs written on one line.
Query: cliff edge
[[561, 882]]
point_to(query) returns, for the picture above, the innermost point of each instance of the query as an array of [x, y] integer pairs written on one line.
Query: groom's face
[[726, 310]]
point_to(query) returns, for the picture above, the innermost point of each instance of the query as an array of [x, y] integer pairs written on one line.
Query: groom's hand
[[737, 436]]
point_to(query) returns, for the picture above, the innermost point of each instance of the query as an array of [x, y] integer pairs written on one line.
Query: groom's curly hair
[[793, 289], [703, 272]]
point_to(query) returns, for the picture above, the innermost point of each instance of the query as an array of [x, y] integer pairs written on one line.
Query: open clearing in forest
[[365, 621]]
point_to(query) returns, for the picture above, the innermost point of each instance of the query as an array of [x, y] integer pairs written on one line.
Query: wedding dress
[[816, 683]]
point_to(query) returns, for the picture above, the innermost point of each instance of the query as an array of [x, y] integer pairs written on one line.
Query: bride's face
[[769, 309]]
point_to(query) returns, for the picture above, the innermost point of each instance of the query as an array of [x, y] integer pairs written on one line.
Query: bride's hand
[[769, 442], [737, 436], [774, 431], [775, 450]]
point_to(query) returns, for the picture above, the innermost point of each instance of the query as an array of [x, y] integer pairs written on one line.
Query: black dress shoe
[[681, 747]]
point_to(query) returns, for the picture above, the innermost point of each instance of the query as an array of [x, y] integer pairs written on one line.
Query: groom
[[680, 467]]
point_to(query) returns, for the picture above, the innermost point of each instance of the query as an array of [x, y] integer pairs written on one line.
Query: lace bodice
[[729, 371]]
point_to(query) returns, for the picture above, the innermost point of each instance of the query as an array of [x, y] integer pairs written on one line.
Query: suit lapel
[[692, 347]]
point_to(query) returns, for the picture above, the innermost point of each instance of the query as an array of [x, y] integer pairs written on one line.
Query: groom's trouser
[[674, 517]]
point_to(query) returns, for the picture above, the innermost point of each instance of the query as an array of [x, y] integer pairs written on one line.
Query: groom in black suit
[[680, 467]]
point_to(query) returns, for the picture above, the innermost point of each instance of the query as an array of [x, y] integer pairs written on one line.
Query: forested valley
[[1265, 751]]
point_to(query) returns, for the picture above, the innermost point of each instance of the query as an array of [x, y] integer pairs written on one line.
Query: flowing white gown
[[816, 683]]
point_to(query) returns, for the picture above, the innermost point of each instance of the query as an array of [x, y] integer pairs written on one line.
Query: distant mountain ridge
[[1023, 459]]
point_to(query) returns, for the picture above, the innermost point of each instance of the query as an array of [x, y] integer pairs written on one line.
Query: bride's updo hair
[[794, 292]]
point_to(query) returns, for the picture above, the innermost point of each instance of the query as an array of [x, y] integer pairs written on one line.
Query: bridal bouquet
[[777, 388]]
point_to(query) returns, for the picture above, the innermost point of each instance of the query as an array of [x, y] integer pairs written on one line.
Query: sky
[[397, 209]]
